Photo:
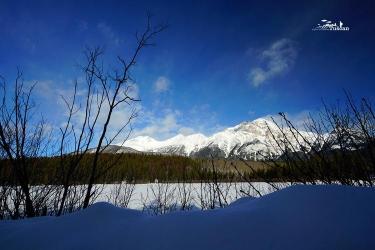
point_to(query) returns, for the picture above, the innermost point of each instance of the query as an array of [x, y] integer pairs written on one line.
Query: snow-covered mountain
[[249, 140]]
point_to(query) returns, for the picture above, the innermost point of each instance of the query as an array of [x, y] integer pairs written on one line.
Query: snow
[[148, 144], [255, 133], [298, 217], [142, 143], [145, 193]]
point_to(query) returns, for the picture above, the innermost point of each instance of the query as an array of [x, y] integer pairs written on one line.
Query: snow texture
[[299, 217]]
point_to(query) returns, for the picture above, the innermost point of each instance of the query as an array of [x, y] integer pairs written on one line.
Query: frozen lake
[[195, 195]]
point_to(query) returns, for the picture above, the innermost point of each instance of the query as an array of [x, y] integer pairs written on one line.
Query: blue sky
[[219, 62]]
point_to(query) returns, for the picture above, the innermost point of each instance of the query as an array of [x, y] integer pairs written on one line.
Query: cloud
[[46, 89], [162, 84], [203, 119], [299, 119], [49, 95], [165, 123], [119, 117], [159, 126], [279, 58], [186, 131], [109, 33]]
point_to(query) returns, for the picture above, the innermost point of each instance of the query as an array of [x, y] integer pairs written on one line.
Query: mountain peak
[[262, 120], [260, 123]]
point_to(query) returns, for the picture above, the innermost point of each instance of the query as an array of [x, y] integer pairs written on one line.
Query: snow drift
[[299, 217]]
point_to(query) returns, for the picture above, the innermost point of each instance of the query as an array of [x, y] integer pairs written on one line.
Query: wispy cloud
[[109, 33], [279, 58], [120, 115], [162, 84], [159, 126], [50, 94], [166, 123]]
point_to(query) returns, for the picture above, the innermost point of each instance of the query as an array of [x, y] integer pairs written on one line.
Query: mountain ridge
[[252, 140]]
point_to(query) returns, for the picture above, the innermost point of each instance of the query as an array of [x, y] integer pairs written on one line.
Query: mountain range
[[253, 140]]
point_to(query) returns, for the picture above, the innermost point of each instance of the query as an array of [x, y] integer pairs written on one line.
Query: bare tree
[[213, 192], [338, 148], [185, 192], [23, 139], [116, 87], [121, 193], [105, 93], [160, 199]]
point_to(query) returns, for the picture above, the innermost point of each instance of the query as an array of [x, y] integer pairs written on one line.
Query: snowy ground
[[298, 217], [171, 192]]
